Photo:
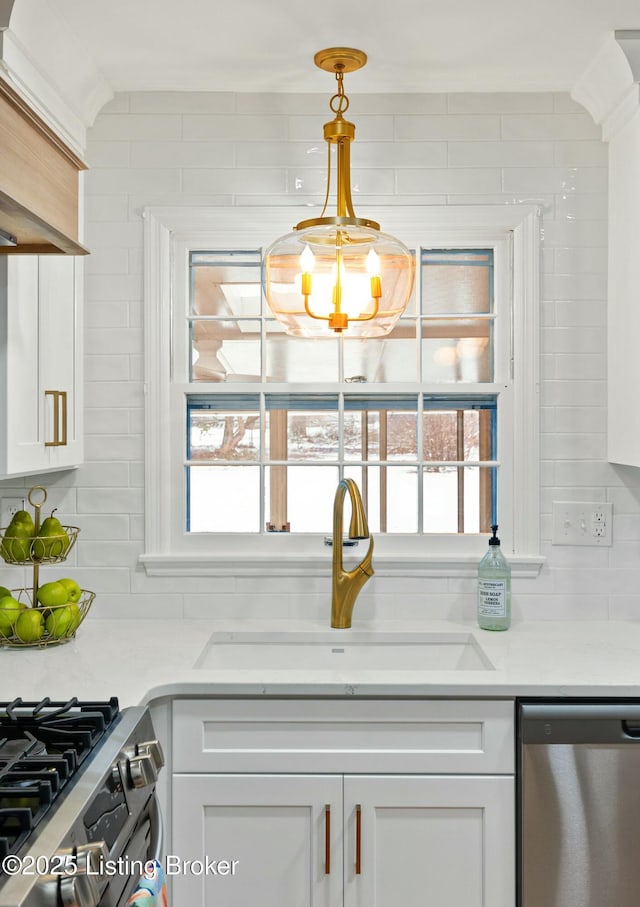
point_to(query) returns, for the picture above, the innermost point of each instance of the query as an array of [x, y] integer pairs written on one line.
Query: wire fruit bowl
[[52, 549], [58, 623]]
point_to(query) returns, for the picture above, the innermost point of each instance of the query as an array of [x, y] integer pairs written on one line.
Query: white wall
[[247, 149]]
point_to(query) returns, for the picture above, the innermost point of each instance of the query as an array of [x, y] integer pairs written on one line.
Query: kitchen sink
[[336, 650]]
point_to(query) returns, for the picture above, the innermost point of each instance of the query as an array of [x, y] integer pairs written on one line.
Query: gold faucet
[[346, 584]]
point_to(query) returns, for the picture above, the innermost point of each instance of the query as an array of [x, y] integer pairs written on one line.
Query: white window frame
[[512, 231]]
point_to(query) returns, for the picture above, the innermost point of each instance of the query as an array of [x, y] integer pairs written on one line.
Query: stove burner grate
[[42, 746]]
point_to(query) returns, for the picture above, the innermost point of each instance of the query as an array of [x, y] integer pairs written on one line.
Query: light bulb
[[307, 263], [307, 260], [373, 268], [373, 263]]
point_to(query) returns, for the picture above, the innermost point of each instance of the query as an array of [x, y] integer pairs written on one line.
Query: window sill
[[314, 565]]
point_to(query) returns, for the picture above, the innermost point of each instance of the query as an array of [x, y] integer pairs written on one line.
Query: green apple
[[51, 594], [73, 589], [10, 610], [29, 626], [60, 621], [76, 618]]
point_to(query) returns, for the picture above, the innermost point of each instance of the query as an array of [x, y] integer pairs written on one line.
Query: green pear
[[52, 540], [16, 543]]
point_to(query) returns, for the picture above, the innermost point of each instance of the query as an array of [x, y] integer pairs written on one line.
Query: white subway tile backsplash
[[575, 233], [96, 527], [182, 154], [447, 128], [181, 102], [140, 180], [578, 366], [120, 127], [235, 181], [581, 419], [113, 394], [573, 340], [106, 368], [110, 500], [500, 102], [112, 606], [399, 154], [223, 149], [501, 154], [213, 606], [102, 473], [581, 154], [581, 261], [418, 182], [573, 446], [108, 553], [106, 421], [569, 127], [554, 179], [109, 154], [576, 207], [573, 393], [120, 447], [107, 315], [235, 128], [363, 182], [107, 341]]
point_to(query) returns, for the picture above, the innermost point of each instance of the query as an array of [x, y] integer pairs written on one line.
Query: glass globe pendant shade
[[335, 275], [326, 279]]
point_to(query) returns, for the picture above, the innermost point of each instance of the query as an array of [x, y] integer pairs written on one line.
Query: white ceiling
[[413, 45]]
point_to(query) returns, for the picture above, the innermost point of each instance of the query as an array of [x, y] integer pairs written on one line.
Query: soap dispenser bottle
[[494, 588]]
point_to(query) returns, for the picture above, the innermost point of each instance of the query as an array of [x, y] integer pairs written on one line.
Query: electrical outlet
[[8, 509], [579, 523]]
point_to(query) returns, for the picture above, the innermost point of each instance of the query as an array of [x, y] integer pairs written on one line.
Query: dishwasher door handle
[[631, 729]]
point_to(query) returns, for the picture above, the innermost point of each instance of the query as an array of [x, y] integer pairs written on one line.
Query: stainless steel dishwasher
[[579, 803]]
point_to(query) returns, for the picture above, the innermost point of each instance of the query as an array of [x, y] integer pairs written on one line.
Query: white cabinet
[[40, 364], [369, 803]]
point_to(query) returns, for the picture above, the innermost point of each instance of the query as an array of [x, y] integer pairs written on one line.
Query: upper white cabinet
[[40, 364], [609, 89]]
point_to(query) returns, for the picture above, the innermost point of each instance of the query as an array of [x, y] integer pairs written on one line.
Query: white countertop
[[142, 661]]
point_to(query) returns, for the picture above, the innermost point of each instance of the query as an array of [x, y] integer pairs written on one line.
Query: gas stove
[[77, 796]]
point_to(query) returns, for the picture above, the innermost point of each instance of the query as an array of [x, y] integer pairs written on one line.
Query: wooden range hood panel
[[39, 182]]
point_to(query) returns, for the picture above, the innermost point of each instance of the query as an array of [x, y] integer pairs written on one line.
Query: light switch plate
[[582, 523]]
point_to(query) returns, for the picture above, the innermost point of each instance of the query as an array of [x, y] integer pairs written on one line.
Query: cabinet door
[[60, 365], [40, 364], [445, 841], [21, 407], [287, 844]]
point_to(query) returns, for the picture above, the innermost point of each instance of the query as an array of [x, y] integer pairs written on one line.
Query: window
[[249, 431]]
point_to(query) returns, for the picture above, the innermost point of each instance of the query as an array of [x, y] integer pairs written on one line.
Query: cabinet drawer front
[[284, 735]]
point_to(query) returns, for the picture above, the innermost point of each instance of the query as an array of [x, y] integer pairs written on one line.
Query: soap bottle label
[[492, 597]]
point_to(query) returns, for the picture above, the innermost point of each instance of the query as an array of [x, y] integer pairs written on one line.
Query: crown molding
[[67, 95], [608, 88]]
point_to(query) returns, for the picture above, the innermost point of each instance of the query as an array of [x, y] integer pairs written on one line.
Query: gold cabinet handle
[[59, 408], [63, 400], [358, 840], [327, 839]]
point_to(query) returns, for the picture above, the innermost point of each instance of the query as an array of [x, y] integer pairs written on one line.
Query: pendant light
[[338, 274]]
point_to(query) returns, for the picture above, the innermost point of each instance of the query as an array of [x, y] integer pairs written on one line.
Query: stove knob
[[78, 891], [142, 770], [80, 888], [97, 852], [152, 748]]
